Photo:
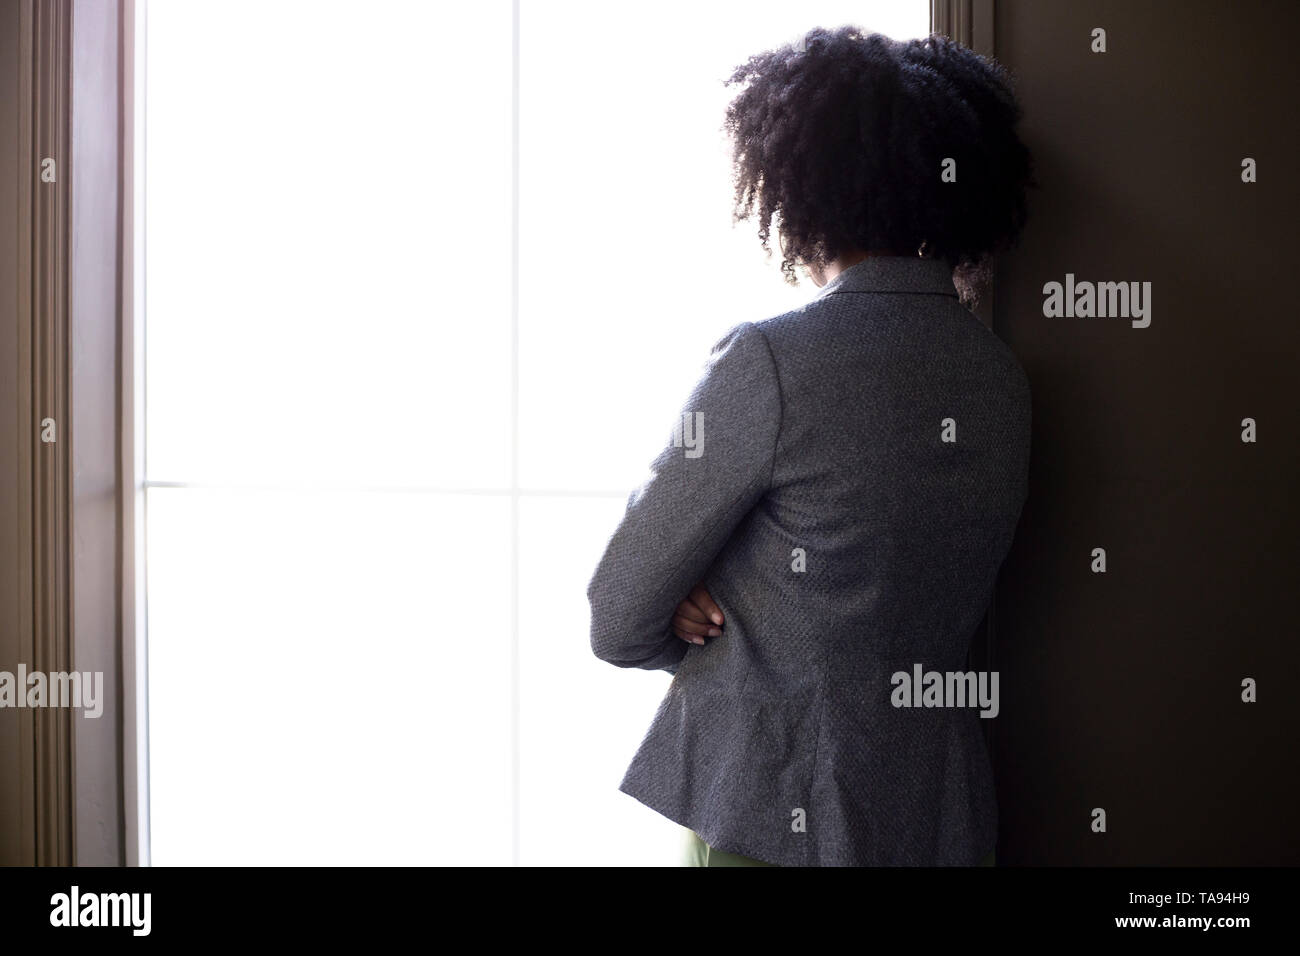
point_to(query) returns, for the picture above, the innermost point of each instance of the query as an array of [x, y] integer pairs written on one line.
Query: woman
[[845, 479]]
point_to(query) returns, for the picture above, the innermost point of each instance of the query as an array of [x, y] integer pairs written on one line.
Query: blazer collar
[[893, 274]]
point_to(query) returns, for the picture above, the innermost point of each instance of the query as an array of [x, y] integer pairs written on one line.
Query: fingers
[[688, 609], [697, 617], [700, 598], [692, 630], [688, 638]]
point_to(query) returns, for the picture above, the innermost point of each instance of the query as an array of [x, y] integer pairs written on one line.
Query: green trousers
[[699, 853]]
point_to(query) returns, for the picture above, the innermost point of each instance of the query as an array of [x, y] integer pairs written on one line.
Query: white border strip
[[135, 643]]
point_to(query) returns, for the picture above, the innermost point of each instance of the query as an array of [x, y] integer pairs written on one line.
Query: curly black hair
[[842, 139]]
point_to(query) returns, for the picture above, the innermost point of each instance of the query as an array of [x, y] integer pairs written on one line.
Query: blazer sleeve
[[713, 470]]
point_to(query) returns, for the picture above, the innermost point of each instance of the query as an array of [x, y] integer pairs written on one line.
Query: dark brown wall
[[1122, 690]]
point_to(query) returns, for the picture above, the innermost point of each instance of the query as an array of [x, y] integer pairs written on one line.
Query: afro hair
[[843, 140]]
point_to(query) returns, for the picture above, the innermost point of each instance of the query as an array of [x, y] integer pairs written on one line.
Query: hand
[[697, 617]]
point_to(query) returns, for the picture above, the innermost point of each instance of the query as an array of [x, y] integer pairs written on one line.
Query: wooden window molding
[[969, 22], [37, 543], [62, 789]]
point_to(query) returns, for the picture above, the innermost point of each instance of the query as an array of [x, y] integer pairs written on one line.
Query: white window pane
[[629, 266], [328, 241], [328, 678], [580, 718]]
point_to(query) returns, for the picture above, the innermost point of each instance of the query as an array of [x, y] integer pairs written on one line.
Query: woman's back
[[865, 458], [846, 478]]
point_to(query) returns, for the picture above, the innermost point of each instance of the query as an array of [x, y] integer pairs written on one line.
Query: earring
[[921, 250]]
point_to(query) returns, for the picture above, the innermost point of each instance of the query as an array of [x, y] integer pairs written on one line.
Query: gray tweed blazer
[[845, 481]]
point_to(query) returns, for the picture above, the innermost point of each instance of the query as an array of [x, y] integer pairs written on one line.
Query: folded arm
[[713, 471]]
